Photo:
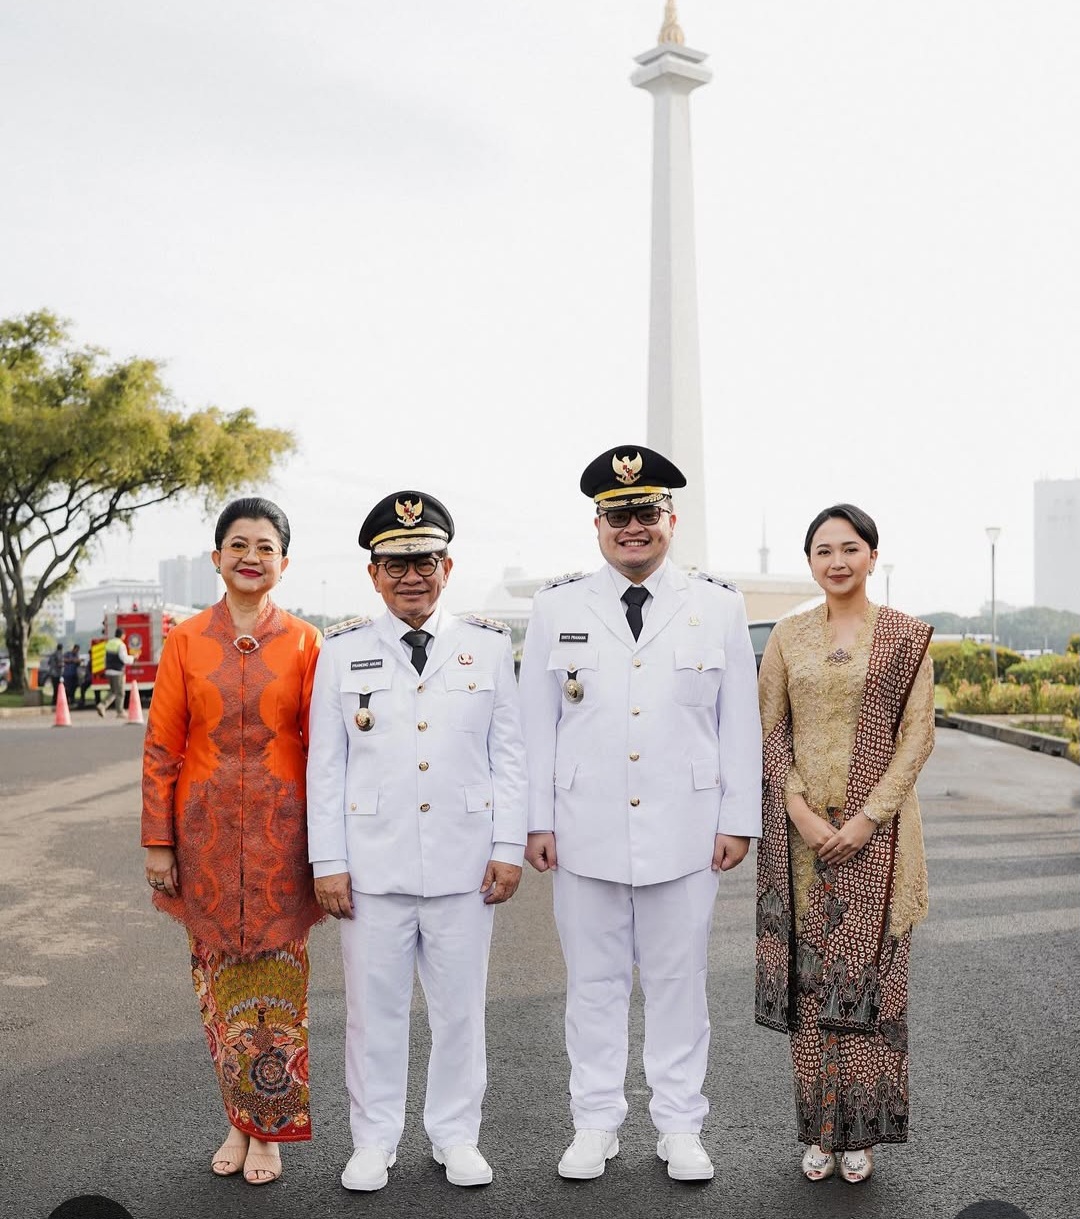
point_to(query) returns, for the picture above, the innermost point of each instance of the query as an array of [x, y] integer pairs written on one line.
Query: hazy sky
[[417, 234]]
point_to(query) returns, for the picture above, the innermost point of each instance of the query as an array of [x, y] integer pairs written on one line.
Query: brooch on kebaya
[[245, 643]]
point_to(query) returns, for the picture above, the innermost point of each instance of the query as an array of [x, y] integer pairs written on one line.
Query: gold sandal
[[229, 1157], [261, 1162]]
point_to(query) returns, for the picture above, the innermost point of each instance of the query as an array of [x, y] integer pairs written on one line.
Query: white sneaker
[[367, 1167], [464, 1164], [588, 1154], [686, 1159]]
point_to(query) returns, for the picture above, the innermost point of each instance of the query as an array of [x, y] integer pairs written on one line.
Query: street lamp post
[[887, 568], [993, 532]]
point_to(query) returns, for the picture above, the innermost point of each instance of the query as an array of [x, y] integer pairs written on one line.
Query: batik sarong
[[254, 1014]]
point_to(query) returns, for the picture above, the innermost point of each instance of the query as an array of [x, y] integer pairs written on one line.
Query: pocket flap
[[478, 797], [364, 681], [362, 802], [706, 773], [564, 775], [573, 656], [700, 658], [469, 680]]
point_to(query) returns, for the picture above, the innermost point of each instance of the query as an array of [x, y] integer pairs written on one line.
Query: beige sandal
[[857, 1165], [229, 1157], [818, 1164], [262, 1167]]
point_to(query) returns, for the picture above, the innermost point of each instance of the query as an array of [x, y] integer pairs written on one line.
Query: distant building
[[91, 603], [187, 581], [1057, 544], [50, 618]]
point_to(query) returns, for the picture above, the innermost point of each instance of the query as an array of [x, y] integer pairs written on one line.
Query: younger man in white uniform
[[639, 699]]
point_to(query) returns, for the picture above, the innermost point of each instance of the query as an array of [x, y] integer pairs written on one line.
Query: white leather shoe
[[686, 1159], [588, 1154], [464, 1164], [367, 1167]]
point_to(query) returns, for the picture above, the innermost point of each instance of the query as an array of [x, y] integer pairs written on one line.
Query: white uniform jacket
[[663, 752], [416, 803]]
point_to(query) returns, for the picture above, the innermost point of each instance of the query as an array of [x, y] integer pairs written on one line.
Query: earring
[[218, 570]]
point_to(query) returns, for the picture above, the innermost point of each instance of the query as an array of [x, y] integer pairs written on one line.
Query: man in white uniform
[[416, 790], [639, 699]]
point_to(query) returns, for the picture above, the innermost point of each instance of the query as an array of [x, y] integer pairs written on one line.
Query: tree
[[84, 445]]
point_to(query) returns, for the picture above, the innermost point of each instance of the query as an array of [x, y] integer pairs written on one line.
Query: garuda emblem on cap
[[409, 513], [627, 471]]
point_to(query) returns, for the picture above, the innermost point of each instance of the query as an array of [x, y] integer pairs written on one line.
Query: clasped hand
[[830, 845]]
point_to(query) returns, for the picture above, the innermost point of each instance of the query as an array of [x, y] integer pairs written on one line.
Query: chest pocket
[[570, 656], [374, 686], [698, 674], [470, 699]]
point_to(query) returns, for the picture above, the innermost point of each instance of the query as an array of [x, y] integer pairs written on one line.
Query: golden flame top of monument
[[670, 31]]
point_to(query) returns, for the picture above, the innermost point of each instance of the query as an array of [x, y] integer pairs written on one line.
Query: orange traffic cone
[[63, 714], [135, 715]]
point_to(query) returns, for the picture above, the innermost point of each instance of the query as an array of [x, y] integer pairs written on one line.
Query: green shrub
[[1059, 670], [967, 661], [1008, 698], [1073, 646]]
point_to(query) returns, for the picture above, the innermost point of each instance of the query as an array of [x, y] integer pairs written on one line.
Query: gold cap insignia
[[627, 470], [409, 513]]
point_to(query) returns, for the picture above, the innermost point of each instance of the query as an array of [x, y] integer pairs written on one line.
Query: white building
[[1057, 544], [187, 581]]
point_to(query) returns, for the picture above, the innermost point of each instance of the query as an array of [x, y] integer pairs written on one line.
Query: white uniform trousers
[[446, 939], [605, 929]]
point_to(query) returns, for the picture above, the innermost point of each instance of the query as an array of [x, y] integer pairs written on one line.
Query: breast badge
[[572, 688], [364, 717]]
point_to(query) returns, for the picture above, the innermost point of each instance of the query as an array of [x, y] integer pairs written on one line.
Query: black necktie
[[417, 640], [635, 598]]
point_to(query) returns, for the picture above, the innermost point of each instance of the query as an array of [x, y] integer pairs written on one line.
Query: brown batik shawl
[[855, 895]]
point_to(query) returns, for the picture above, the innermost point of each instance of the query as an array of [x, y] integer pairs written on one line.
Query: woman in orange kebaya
[[224, 826]]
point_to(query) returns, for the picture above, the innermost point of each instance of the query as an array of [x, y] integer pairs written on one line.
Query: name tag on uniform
[[574, 637], [367, 664]]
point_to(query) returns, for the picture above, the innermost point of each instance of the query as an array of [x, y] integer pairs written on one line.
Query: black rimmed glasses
[[426, 565], [648, 514]]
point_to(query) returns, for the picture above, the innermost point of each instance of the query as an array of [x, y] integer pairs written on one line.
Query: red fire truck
[[144, 633]]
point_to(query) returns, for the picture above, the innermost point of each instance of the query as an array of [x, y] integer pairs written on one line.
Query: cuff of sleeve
[[879, 816], [157, 843], [329, 867], [508, 852]]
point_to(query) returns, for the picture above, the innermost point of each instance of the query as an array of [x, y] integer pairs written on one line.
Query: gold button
[[637, 663], [420, 688], [635, 710], [472, 685], [425, 808], [423, 766], [634, 802], [422, 726], [634, 757], [487, 804], [352, 807], [700, 666]]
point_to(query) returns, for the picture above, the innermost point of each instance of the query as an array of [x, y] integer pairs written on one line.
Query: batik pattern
[[254, 1014]]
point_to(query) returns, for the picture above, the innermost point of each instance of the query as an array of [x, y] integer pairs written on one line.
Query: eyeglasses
[[265, 550], [650, 514], [425, 565]]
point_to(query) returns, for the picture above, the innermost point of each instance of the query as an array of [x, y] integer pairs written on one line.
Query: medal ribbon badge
[[572, 688]]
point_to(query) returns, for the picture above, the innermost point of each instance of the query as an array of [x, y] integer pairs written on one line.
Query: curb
[[1040, 742]]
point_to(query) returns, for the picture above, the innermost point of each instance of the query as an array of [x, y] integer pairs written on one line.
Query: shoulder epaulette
[[568, 578], [492, 624], [707, 575], [350, 624]]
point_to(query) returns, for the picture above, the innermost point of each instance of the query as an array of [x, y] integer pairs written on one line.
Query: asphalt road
[[106, 1088]]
